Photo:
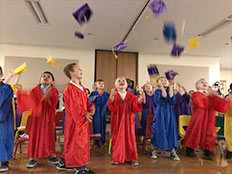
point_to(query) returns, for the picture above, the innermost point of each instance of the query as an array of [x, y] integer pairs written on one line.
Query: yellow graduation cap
[[22, 68], [194, 43], [51, 61]]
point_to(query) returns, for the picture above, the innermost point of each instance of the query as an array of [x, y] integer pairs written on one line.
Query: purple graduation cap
[[170, 75], [153, 70], [177, 50], [119, 47], [82, 16], [169, 32], [157, 7]]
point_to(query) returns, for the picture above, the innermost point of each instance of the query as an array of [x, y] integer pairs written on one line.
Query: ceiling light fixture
[[37, 11]]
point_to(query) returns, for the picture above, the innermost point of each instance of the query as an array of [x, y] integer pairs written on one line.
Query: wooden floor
[[101, 163]]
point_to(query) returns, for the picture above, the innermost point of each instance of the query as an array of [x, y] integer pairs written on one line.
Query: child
[[44, 98], [123, 106], [148, 106], [201, 130], [6, 124], [78, 112], [164, 134], [100, 99]]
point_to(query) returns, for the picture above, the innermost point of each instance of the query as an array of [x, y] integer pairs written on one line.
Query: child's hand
[[95, 97], [229, 97], [141, 97], [113, 91], [92, 110], [89, 117]]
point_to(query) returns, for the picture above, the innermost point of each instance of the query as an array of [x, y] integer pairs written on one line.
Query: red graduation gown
[[201, 130], [42, 121], [76, 132], [123, 127]]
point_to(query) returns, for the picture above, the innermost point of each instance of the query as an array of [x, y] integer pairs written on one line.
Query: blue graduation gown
[[164, 130], [99, 118], [6, 123]]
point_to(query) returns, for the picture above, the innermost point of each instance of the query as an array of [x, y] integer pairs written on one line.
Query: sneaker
[[228, 154], [190, 152], [208, 155], [32, 163], [4, 167], [174, 156], [53, 160], [61, 166], [154, 154], [134, 163], [114, 163], [88, 170], [81, 171]]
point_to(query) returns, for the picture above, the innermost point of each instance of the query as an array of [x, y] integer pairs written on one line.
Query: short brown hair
[[69, 68], [99, 80], [1, 70]]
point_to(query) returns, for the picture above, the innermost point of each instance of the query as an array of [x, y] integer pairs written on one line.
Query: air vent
[[37, 11]]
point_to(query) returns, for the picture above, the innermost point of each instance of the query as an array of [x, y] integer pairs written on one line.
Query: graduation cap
[[119, 47], [170, 75], [22, 68], [51, 61], [153, 73], [177, 50], [194, 43], [157, 7], [169, 32], [82, 16]]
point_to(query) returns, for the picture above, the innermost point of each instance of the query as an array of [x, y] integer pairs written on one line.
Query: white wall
[[85, 57], [226, 74], [211, 62]]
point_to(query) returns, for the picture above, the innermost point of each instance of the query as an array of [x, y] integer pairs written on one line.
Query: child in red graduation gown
[[201, 130], [123, 106], [42, 101], [78, 114]]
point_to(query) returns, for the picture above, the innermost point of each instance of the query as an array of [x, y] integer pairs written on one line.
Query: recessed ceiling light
[[90, 34], [155, 38], [226, 43]]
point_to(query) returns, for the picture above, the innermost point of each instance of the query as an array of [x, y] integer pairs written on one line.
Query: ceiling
[[112, 20]]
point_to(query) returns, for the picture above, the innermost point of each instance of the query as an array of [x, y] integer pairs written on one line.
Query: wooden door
[[108, 68]]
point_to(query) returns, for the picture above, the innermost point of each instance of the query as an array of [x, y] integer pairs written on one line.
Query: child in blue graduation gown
[[100, 99], [6, 124], [164, 130]]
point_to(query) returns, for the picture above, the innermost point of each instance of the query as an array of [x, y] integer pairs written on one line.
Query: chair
[[21, 128], [183, 122], [94, 137], [148, 131], [59, 120]]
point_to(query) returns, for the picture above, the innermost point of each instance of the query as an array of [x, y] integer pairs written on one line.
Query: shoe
[[208, 155], [32, 163], [81, 171], [4, 167], [228, 154], [134, 163], [53, 160], [61, 166], [88, 170], [174, 156], [114, 163], [190, 152], [153, 154]]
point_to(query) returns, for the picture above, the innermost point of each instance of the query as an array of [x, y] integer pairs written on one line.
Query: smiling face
[[121, 84], [162, 81], [202, 85], [46, 79]]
